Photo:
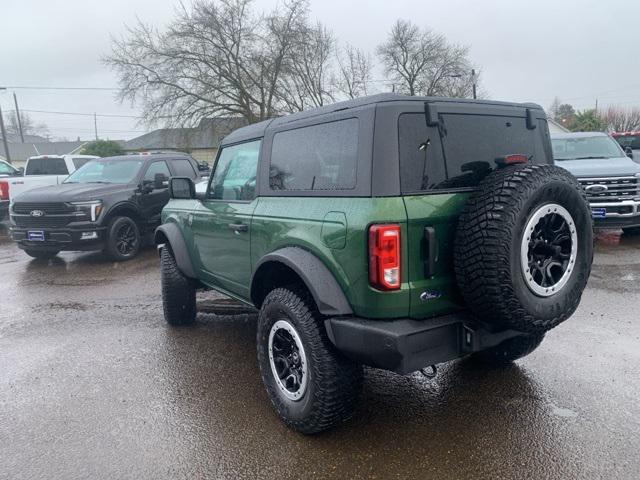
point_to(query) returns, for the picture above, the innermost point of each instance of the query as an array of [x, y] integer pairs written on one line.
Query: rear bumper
[[61, 238], [407, 345]]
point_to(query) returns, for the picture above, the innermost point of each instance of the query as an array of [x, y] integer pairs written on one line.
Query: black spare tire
[[524, 247]]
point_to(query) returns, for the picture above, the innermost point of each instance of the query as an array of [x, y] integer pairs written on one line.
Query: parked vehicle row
[[110, 204]]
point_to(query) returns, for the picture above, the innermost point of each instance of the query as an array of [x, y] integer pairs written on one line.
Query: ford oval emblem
[[596, 188], [37, 213], [429, 295]]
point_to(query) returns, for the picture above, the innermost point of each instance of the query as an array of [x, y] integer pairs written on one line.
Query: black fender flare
[[171, 232], [124, 205], [320, 282]]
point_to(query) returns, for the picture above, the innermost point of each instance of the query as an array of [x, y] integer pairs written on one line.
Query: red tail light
[[384, 257], [4, 191]]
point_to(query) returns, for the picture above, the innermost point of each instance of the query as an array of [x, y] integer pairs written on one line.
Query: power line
[[21, 87], [108, 115]]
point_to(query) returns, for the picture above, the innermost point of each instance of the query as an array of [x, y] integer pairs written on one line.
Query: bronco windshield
[[595, 147], [107, 170]]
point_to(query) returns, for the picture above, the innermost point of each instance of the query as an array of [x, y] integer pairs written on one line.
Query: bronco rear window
[[460, 153]]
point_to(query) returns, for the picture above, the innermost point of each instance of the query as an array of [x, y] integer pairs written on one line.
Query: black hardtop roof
[[257, 130]]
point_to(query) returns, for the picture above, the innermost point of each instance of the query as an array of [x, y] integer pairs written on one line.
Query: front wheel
[[178, 292], [123, 239], [311, 386], [41, 254]]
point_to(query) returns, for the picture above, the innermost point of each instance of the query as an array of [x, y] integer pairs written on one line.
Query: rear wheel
[[41, 254], [123, 239], [510, 350], [311, 386]]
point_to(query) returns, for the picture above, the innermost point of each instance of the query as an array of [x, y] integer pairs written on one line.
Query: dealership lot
[[93, 384]]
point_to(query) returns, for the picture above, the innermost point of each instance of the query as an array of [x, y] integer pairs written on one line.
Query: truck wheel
[[311, 386], [123, 239], [178, 292], [510, 350], [631, 231], [524, 247], [41, 254]]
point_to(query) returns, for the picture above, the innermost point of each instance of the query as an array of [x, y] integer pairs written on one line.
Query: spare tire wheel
[[524, 247]]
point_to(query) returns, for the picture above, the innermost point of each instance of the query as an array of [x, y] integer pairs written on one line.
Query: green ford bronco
[[389, 231]]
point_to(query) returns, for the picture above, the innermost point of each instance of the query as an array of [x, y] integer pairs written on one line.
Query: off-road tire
[[178, 292], [487, 252], [509, 350], [113, 228], [41, 254], [334, 382]]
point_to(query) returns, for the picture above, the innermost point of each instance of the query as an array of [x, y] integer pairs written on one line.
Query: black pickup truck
[[108, 204]]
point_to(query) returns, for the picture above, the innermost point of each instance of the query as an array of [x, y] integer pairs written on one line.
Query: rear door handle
[[239, 227]]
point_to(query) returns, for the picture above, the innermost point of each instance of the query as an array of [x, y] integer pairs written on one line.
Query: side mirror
[[160, 181], [21, 171], [182, 188], [629, 152], [203, 167]]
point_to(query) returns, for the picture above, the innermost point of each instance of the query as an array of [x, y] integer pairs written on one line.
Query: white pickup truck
[[45, 170]]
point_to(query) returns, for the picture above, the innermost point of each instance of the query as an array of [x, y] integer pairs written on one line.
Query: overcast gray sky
[[528, 51]]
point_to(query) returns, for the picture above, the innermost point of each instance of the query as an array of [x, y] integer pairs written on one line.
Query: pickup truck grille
[[614, 189], [53, 214], [41, 222], [25, 208]]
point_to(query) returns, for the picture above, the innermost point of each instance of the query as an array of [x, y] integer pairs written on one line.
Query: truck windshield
[[107, 171], [575, 148]]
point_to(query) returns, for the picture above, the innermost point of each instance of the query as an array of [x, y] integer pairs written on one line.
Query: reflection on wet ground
[[93, 384]]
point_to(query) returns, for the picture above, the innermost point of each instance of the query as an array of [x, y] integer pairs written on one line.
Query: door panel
[[222, 224], [152, 203], [438, 288], [224, 251]]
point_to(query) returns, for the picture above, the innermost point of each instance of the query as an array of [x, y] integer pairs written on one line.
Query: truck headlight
[[90, 209]]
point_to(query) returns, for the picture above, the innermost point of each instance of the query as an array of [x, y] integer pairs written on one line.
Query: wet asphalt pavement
[[93, 384]]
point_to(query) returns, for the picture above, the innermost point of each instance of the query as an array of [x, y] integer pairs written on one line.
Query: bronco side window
[[235, 172], [318, 157]]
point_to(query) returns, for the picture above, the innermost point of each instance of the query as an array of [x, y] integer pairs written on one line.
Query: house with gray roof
[[20, 152], [201, 142]]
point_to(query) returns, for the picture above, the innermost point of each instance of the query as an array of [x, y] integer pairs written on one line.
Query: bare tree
[[216, 58], [422, 62], [308, 69], [618, 119], [554, 107], [29, 126], [354, 72]]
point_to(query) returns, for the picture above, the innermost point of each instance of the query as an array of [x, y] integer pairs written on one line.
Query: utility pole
[[4, 138], [15, 100], [95, 124], [7, 155], [473, 82]]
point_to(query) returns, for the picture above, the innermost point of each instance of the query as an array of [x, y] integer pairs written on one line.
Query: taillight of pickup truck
[[4, 191]]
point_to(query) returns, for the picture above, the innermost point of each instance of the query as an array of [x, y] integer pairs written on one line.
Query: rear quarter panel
[[280, 222]]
